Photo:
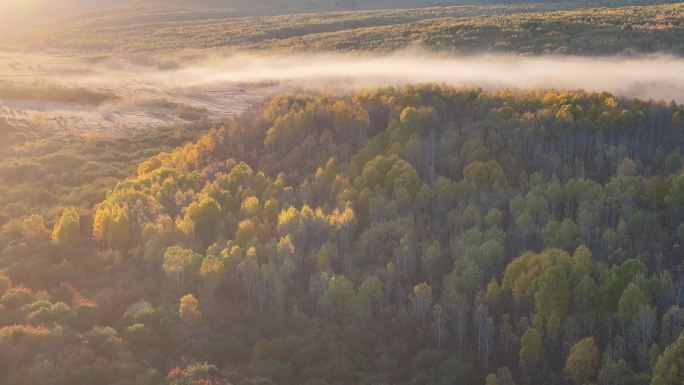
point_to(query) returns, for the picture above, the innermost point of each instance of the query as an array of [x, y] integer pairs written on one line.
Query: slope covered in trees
[[422, 235], [561, 28], [42, 170]]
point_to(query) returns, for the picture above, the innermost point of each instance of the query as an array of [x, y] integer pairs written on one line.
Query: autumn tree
[[176, 262], [189, 311], [67, 231], [205, 215], [583, 361], [33, 229], [211, 272], [111, 226]]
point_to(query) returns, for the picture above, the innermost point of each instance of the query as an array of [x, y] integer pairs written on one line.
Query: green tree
[[369, 294], [552, 296], [581, 263], [562, 235], [631, 301], [669, 369], [530, 353], [338, 298], [421, 301]]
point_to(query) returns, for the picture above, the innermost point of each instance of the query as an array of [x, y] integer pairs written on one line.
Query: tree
[[631, 301], [440, 324], [615, 373], [246, 232], [676, 195], [669, 369], [189, 311], [33, 229], [205, 214], [67, 231], [250, 276], [671, 326], [339, 296], [195, 374], [615, 282], [421, 300], [562, 235], [211, 273], [503, 376], [485, 174], [431, 261], [111, 226], [176, 262], [581, 263], [627, 168], [369, 293], [530, 354], [250, 207], [583, 361], [552, 296]]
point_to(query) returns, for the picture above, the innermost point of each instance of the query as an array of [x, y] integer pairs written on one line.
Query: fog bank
[[645, 76], [112, 92], [649, 77]]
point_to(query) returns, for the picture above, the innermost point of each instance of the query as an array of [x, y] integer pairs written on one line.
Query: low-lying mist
[[650, 77], [142, 91], [644, 76]]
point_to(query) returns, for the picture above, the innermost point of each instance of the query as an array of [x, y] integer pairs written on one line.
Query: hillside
[[422, 235], [17, 15], [341, 192], [519, 28]]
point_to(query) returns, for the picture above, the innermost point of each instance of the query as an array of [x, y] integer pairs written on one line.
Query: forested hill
[[50, 16], [527, 29], [422, 235], [272, 7]]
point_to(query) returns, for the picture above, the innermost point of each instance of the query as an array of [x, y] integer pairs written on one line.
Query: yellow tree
[[176, 262], [211, 273], [189, 310], [67, 231], [111, 227]]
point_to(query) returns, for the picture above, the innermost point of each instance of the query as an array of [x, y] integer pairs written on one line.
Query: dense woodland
[[43, 170], [420, 235], [559, 28]]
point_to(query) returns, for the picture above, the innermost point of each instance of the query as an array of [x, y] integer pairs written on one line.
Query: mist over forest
[[341, 192]]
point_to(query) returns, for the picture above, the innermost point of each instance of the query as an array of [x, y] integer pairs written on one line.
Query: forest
[[579, 28], [400, 235], [186, 198]]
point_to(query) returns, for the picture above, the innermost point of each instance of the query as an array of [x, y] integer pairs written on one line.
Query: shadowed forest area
[[178, 226]]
